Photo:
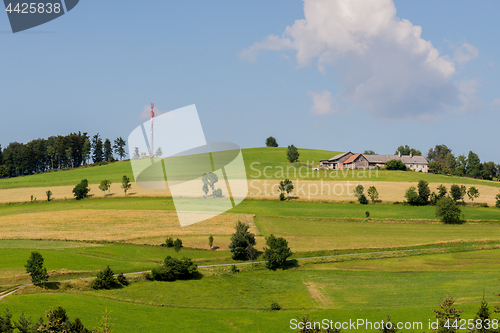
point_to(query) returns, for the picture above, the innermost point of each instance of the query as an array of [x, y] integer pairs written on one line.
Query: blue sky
[[345, 77]]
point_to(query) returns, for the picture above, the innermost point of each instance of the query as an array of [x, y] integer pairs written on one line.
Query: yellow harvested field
[[114, 225], [260, 189]]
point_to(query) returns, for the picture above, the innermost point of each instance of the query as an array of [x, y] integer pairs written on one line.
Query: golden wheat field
[[134, 226], [259, 189]]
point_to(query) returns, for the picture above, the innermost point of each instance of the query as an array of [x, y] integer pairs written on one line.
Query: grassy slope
[[275, 158], [369, 289]]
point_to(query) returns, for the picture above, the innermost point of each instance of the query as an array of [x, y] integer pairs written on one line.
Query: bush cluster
[[175, 269]]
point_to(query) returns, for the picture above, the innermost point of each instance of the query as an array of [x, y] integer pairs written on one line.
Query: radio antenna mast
[[151, 153]]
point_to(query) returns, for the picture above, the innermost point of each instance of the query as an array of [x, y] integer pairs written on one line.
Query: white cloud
[[323, 103], [495, 105], [470, 102], [384, 65], [465, 53]]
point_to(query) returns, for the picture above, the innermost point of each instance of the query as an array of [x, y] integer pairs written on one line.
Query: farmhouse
[[359, 161]]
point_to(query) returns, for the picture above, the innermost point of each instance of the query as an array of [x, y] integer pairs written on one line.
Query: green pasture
[[407, 288], [272, 161]]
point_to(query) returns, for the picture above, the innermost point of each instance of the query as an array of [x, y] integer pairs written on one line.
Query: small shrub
[[275, 306], [411, 196], [367, 213], [169, 242], [447, 209], [217, 193], [147, 277], [122, 279], [282, 197], [497, 204], [363, 200], [105, 279], [234, 269], [49, 195], [175, 269], [395, 165]]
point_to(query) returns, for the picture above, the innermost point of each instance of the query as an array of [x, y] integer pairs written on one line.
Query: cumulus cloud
[[384, 65], [322, 103], [495, 105], [470, 102]]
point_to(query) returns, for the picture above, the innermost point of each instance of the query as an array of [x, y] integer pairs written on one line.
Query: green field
[[401, 260], [256, 160]]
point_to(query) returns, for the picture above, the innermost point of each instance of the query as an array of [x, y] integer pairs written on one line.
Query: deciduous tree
[[447, 209], [271, 142], [292, 154], [276, 252], [126, 184], [119, 147], [34, 267]]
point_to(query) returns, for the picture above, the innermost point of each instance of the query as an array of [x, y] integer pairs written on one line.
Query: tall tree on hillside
[[490, 170], [474, 166], [108, 151], [271, 142], [34, 267], [406, 150], [461, 163], [240, 241], [292, 154], [438, 153], [97, 155], [86, 151], [120, 147]]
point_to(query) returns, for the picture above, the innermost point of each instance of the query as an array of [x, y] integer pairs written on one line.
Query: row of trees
[[441, 159], [58, 152], [81, 190]]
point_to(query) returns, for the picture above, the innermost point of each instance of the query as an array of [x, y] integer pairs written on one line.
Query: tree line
[[58, 153]]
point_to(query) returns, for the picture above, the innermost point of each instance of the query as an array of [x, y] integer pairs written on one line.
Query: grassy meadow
[[401, 260]]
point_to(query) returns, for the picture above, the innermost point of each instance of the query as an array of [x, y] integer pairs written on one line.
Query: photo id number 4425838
[[32, 8]]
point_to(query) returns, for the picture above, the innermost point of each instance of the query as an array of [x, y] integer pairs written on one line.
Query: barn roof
[[351, 159], [406, 159], [339, 156]]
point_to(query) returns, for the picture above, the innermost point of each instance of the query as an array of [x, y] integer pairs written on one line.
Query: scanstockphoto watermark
[[308, 170], [358, 324], [303, 189], [365, 324]]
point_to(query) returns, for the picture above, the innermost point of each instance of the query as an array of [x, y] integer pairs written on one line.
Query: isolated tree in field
[[276, 252], [49, 195], [373, 193], [105, 185], [240, 241], [136, 153], [292, 154], [108, 151], [159, 152], [457, 192], [177, 246], [211, 241], [442, 191], [473, 193], [119, 147], [395, 165], [423, 192], [126, 184], [209, 180], [446, 315], [447, 209], [34, 267], [359, 192], [105, 279], [81, 190], [271, 142], [285, 186]]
